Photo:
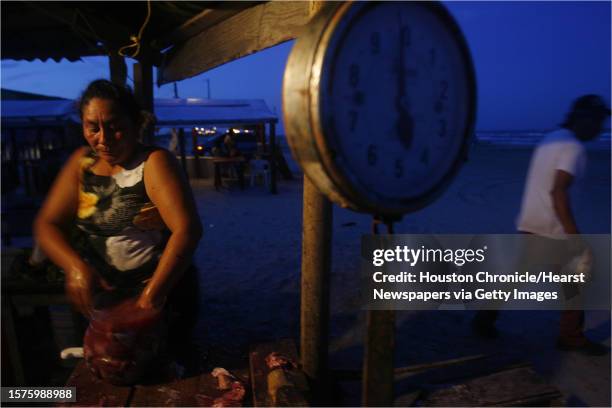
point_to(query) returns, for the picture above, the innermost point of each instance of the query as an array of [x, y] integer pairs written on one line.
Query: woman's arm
[[51, 232], [169, 190]]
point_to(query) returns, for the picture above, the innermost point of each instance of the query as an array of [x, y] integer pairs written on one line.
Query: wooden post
[[62, 133], [118, 69], [181, 140], [14, 154], [273, 154], [194, 144], [316, 266], [38, 161], [143, 90], [377, 386]]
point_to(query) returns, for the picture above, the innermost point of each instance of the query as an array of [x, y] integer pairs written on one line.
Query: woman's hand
[[79, 287], [148, 302]]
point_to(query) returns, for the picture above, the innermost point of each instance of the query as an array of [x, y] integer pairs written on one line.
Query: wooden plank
[[90, 391], [179, 393], [200, 22], [513, 387], [462, 371], [404, 372], [259, 373], [40, 299], [249, 31], [186, 392]]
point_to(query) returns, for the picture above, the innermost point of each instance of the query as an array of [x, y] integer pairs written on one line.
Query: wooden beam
[[245, 33], [198, 23], [118, 69], [377, 382], [143, 91]]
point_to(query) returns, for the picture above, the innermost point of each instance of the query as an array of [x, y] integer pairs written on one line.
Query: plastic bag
[[123, 342]]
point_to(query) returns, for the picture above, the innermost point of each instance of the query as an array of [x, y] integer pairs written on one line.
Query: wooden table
[[228, 162], [91, 391], [17, 293]]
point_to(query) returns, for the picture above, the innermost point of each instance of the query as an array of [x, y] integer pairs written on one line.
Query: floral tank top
[[123, 232]]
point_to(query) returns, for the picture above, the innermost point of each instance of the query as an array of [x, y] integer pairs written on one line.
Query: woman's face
[[109, 131]]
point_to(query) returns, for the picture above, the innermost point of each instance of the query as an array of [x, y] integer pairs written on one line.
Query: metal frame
[[306, 131]]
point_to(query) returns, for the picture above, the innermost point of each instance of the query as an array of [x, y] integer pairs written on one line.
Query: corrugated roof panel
[[169, 112], [195, 111], [33, 111]]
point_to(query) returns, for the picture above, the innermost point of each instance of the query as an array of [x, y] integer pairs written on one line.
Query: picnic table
[[227, 164]]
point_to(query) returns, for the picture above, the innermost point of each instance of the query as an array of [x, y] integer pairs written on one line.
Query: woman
[[133, 208]]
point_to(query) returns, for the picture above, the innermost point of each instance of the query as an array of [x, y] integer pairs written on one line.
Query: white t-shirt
[[559, 150]]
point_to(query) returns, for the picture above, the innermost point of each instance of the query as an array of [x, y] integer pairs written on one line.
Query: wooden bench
[[494, 380], [91, 391], [520, 386]]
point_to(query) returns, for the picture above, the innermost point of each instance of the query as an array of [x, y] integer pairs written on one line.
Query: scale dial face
[[392, 103]]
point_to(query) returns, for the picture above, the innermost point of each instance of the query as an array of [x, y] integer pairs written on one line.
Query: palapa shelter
[[37, 133], [43, 124], [182, 39]]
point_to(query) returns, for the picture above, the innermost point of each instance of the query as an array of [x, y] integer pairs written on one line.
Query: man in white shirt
[[557, 161]]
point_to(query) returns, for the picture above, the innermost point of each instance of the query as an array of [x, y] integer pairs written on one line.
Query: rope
[[136, 40]]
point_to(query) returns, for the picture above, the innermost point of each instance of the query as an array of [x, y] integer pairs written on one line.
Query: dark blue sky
[[532, 59]]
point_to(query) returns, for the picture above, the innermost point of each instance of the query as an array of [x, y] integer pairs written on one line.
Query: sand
[[249, 260]]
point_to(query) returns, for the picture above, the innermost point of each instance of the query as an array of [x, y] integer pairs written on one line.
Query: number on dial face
[[397, 87]]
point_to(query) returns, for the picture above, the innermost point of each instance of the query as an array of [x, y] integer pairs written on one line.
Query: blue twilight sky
[[532, 59]]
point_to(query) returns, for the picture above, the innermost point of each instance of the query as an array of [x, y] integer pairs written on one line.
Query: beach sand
[[249, 261]]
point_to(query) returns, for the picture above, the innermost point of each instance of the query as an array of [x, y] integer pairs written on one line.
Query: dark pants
[[571, 324], [556, 253], [182, 307]]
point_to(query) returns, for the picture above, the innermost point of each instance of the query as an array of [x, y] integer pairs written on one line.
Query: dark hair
[[122, 95], [591, 106]]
